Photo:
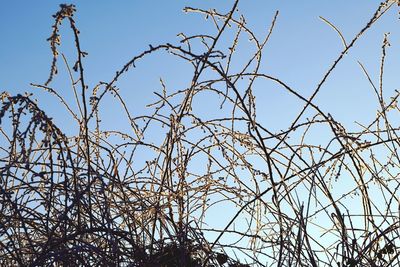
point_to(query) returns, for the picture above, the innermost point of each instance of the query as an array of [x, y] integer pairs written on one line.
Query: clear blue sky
[[300, 51], [301, 48]]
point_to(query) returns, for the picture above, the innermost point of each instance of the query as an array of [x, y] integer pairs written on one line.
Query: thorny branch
[[112, 198]]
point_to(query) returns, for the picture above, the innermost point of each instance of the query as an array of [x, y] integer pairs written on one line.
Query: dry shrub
[[144, 197]]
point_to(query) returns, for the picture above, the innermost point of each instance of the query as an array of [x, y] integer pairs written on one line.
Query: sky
[[300, 51]]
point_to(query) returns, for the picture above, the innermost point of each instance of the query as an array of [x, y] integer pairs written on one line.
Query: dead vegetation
[[112, 198]]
